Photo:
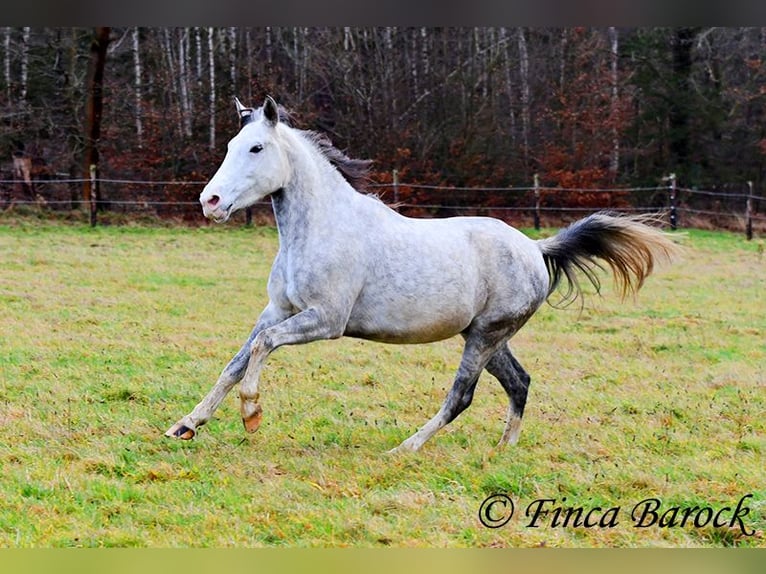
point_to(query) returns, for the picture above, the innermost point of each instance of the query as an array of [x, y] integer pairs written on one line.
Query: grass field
[[109, 335]]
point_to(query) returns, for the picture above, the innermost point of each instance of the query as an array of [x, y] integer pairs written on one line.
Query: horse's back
[[429, 279]]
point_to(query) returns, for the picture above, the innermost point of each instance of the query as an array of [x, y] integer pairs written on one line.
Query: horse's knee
[[262, 344]]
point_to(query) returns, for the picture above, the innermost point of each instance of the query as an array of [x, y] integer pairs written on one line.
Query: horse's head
[[255, 165]]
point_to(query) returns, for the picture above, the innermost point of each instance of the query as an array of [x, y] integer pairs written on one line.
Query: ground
[[109, 335]]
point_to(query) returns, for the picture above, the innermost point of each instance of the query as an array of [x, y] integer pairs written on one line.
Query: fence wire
[[168, 198]]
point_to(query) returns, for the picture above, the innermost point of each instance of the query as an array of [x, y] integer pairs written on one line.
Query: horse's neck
[[311, 203]]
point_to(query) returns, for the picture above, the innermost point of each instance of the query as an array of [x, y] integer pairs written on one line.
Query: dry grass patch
[[110, 334]]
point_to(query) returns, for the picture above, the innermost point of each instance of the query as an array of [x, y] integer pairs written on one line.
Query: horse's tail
[[627, 244]]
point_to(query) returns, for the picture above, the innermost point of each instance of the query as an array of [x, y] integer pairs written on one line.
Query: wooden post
[[22, 173], [93, 194], [537, 202], [673, 214], [396, 189], [249, 216], [749, 212]]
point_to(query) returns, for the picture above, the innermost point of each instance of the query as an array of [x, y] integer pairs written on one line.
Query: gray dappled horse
[[349, 265]]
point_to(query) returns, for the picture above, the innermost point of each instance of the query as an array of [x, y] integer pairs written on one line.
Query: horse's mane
[[355, 171]]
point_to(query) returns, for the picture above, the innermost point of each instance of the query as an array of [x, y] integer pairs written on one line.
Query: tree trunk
[[183, 83], [137, 86], [301, 60], [525, 114], [297, 68], [233, 58], [198, 46], [424, 53], [614, 161], [680, 103], [211, 64], [269, 55], [505, 40], [25, 65], [93, 111], [414, 64], [8, 63], [390, 67], [250, 69]]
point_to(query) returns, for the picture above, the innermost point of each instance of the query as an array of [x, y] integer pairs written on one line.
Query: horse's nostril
[[213, 201]]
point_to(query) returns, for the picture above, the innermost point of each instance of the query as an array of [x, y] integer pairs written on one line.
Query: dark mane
[[355, 171]]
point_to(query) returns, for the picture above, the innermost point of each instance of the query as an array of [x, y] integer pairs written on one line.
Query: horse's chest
[[300, 282]]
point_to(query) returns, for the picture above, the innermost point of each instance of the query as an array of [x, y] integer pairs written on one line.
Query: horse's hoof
[[252, 414], [408, 445], [180, 431]]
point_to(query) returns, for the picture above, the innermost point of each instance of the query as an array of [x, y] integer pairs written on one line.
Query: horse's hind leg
[[476, 354], [515, 380]]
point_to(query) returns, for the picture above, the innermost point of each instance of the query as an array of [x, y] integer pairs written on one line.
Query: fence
[[733, 206]]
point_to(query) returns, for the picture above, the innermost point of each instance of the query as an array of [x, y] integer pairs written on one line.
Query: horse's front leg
[[313, 324], [187, 426]]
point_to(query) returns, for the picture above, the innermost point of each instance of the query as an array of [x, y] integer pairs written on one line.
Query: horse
[[349, 265]]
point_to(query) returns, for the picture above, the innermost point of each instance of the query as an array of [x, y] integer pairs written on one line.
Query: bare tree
[[388, 58], [249, 57], [269, 51], [233, 57], [614, 161], [211, 66], [414, 62], [505, 40], [198, 45], [183, 83], [25, 64], [137, 86], [7, 43], [525, 112], [171, 76], [438, 102], [98, 51]]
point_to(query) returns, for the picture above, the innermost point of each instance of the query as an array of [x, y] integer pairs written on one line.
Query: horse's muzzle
[[213, 208]]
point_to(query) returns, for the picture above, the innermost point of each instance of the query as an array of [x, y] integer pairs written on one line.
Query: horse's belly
[[408, 322], [394, 334]]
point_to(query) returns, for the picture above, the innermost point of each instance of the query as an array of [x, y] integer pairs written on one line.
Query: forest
[[453, 107]]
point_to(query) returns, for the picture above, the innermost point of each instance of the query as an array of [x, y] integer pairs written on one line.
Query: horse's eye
[[256, 148]]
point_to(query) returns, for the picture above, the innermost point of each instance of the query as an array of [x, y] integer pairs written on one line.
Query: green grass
[[109, 335]]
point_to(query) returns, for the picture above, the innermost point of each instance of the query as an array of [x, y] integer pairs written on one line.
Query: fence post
[[93, 193], [749, 212], [537, 202], [396, 189], [673, 214]]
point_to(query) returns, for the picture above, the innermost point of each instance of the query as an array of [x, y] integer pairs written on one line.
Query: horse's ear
[[245, 114], [271, 111]]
